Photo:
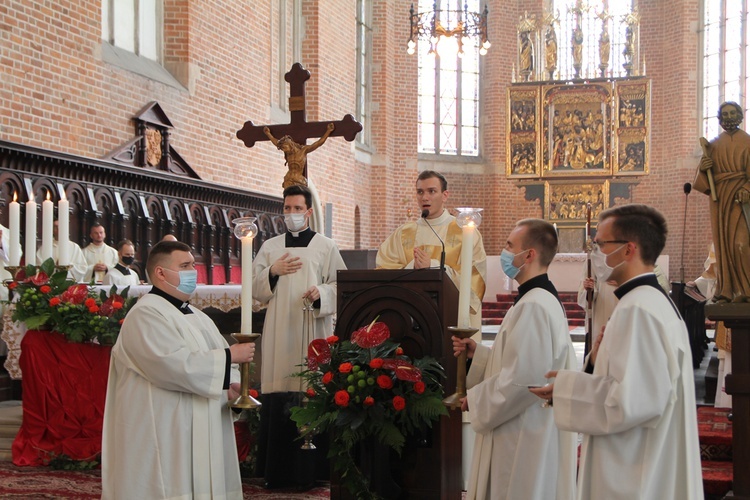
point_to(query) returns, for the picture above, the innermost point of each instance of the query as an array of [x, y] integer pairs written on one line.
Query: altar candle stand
[[467, 219], [245, 229]]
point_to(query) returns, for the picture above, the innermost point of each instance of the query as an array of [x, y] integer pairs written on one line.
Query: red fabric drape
[[64, 387]]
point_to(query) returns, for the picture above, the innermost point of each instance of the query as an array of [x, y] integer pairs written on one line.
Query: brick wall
[[57, 93]]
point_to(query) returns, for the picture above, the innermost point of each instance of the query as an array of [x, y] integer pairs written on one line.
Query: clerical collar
[[542, 281], [444, 218], [299, 239], [182, 306], [124, 270], [648, 279]]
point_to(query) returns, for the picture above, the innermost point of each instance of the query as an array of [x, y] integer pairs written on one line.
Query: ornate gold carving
[[153, 147]]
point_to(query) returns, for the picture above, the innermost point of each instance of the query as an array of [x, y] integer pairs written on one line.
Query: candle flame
[[48, 195], [15, 196]]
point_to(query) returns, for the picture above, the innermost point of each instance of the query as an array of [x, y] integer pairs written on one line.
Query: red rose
[[419, 387], [385, 382], [376, 363], [399, 403], [310, 392], [54, 301], [94, 309], [117, 305], [121, 321], [369, 401], [253, 393], [332, 339], [12, 285], [327, 378], [399, 351], [89, 302], [341, 398], [45, 289], [345, 367]]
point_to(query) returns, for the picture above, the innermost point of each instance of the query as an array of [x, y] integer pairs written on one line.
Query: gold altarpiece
[[578, 128]]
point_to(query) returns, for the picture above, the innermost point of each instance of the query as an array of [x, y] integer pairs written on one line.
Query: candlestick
[[14, 221], [48, 217], [63, 232], [30, 233], [245, 229], [247, 285], [468, 219]]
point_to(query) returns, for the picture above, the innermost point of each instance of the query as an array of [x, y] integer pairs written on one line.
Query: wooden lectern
[[418, 306]]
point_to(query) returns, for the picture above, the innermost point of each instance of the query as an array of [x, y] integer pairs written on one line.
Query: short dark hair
[[542, 237], [430, 174], [95, 224], [642, 224], [122, 243], [299, 190], [161, 251]]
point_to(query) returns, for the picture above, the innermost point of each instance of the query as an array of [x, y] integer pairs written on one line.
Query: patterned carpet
[[45, 483]]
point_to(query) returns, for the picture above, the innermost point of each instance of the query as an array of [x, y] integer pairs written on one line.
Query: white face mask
[[599, 265], [295, 222]]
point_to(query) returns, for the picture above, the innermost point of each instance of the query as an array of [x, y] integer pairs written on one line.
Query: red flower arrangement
[[47, 298], [366, 387]]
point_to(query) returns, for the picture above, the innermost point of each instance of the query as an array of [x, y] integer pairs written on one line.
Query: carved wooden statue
[[724, 173]]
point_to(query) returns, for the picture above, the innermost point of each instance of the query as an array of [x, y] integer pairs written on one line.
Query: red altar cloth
[[64, 387]]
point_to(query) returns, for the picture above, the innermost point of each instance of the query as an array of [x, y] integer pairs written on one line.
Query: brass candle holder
[[13, 270], [454, 400], [245, 400]]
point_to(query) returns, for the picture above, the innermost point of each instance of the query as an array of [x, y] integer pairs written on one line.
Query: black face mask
[[128, 260]]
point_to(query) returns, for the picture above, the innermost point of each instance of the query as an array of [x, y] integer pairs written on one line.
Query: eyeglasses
[[598, 244]]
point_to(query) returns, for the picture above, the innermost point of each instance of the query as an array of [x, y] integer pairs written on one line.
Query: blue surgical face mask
[[506, 260], [188, 281]]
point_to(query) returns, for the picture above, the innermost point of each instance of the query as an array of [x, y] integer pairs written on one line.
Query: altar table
[[63, 398]]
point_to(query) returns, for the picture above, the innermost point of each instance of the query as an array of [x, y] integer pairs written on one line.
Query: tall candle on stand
[[14, 221], [464, 289], [245, 229], [30, 233], [63, 232], [246, 295], [48, 219], [467, 219]]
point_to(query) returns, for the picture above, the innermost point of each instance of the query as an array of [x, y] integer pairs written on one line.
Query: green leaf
[[35, 322]]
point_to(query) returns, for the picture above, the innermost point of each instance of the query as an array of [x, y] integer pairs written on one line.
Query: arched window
[[449, 91], [725, 59], [591, 14]]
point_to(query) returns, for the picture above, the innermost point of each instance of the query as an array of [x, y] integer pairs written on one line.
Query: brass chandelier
[[438, 24]]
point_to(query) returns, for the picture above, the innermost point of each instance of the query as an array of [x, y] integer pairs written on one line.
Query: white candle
[[63, 232], [554, 224], [30, 233], [464, 289], [14, 221], [48, 218], [246, 295]]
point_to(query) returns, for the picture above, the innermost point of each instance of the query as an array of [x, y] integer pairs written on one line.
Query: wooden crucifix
[[291, 138]]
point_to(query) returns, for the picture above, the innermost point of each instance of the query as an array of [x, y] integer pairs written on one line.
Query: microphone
[[686, 188], [425, 213]]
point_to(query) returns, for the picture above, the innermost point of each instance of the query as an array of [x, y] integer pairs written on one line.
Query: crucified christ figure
[[296, 155]]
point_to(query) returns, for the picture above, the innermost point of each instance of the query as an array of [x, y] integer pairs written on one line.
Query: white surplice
[[115, 277], [77, 271], [518, 451], [168, 432], [282, 341], [637, 410], [102, 254]]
